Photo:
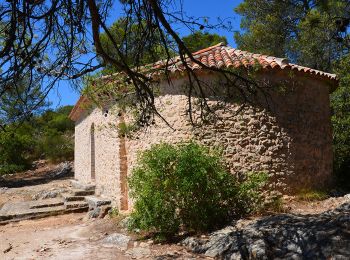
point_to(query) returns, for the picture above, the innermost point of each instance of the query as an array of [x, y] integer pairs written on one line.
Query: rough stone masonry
[[289, 137]]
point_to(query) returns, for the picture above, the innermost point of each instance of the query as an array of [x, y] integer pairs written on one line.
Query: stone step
[[33, 213], [69, 197], [18, 211], [39, 213], [77, 192], [46, 203], [95, 202], [76, 205], [82, 186]]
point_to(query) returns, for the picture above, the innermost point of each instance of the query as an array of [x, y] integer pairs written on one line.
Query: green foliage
[[199, 40], [341, 124], [303, 32], [13, 151], [46, 136], [125, 129], [299, 30], [56, 146], [186, 186], [314, 45], [275, 204], [113, 213], [17, 102], [312, 195], [132, 44], [264, 25], [55, 131]]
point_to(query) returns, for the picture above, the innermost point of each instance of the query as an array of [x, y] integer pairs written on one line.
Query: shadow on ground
[[284, 236]]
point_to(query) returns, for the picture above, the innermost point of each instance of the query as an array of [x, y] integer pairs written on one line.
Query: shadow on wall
[[286, 132]]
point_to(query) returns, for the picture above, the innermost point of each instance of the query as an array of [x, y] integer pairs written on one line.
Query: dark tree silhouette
[[48, 41]]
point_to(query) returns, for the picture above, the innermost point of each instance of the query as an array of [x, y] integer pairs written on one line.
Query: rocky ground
[[71, 236], [282, 236], [42, 182], [309, 230], [68, 237], [41, 172]]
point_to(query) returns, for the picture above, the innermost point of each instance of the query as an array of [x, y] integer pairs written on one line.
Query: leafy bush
[[186, 186], [113, 212], [312, 195], [56, 146], [13, 151], [46, 136], [56, 137], [341, 125], [11, 168]]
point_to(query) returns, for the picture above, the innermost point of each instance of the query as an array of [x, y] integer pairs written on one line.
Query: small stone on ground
[[118, 240]]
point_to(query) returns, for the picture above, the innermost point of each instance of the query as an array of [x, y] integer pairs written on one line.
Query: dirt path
[[72, 237], [69, 237], [62, 237]]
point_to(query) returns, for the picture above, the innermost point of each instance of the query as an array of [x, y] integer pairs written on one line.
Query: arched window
[[92, 151]]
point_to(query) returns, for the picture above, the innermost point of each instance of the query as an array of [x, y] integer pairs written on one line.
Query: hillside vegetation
[[307, 33], [48, 135]]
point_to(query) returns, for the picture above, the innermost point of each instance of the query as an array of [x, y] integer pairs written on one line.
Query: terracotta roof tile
[[223, 56]]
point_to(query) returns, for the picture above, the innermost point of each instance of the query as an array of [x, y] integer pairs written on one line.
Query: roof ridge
[[305, 69], [235, 55], [209, 48], [219, 55], [278, 60]]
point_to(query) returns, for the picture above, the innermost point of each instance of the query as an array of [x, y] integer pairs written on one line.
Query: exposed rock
[[98, 212], [284, 236], [94, 213], [48, 194], [139, 252], [124, 223], [118, 240], [143, 244], [104, 211], [82, 186], [38, 175], [63, 169], [94, 201]]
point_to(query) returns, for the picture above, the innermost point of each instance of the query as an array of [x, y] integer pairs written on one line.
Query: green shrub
[[312, 195], [11, 168], [340, 101], [186, 187], [14, 149], [46, 136], [56, 146], [126, 129], [113, 212]]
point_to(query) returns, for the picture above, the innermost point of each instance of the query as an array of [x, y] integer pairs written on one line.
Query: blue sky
[[64, 94]]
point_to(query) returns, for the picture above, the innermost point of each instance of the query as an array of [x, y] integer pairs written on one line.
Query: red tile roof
[[222, 56]]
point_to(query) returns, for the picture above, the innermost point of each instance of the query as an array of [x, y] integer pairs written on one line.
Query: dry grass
[[312, 195]]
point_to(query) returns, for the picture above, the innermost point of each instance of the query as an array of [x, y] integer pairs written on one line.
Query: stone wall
[[290, 138], [107, 163]]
